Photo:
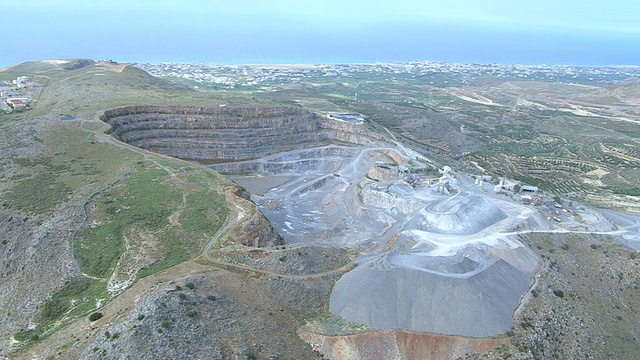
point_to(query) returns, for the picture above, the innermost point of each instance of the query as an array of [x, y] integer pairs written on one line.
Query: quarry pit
[[437, 253]]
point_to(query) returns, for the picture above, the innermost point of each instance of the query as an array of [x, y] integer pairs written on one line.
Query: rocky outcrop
[[258, 232], [254, 229], [34, 262], [222, 134], [222, 315]]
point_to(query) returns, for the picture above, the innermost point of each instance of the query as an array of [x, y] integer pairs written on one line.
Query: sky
[[587, 32]]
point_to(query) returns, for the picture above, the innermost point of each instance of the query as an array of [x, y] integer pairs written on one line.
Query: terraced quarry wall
[[221, 134]]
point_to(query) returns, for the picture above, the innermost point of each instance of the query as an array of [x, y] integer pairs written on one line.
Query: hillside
[[84, 217], [334, 240]]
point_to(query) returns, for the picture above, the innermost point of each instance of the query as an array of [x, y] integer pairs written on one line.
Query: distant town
[[18, 94], [430, 73]]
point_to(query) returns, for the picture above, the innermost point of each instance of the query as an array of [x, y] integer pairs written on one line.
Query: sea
[[398, 44]]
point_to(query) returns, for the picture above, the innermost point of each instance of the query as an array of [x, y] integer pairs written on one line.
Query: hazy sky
[[560, 31]]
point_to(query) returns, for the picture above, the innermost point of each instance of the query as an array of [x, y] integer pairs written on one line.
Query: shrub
[[60, 303], [28, 335], [212, 298], [251, 355], [190, 285], [558, 293], [164, 323], [565, 247], [95, 316], [182, 296], [140, 317]]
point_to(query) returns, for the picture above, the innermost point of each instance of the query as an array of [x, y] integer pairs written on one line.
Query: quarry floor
[[439, 255]]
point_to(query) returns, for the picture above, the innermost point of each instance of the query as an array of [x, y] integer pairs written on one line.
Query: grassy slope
[[127, 194]]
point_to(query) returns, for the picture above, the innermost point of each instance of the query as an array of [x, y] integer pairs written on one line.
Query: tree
[[95, 316]]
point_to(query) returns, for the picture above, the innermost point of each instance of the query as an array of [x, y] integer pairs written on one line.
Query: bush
[[28, 335], [212, 298], [95, 316], [190, 285], [558, 293], [60, 303], [251, 355]]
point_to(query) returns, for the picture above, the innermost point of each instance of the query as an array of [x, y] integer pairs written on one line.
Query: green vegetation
[[95, 316], [101, 258], [76, 298], [328, 324], [28, 335], [634, 191], [251, 355], [239, 173], [74, 165], [142, 204], [126, 198], [37, 194], [77, 289], [205, 212], [164, 323]]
